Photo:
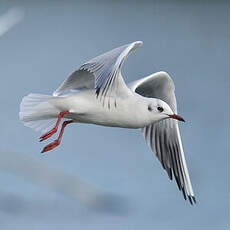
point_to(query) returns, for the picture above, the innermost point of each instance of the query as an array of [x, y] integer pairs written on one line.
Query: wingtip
[[138, 43], [192, 199]]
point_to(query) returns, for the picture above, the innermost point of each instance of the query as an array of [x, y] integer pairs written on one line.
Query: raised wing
[[164, 137], [102, 73]]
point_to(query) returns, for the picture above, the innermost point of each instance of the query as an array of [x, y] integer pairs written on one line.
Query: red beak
[[177, 117]]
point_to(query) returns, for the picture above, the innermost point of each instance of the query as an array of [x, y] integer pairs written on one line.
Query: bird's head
[[161, 110]]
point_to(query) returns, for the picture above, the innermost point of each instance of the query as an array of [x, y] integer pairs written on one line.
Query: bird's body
[[100, 96], [84, 107]]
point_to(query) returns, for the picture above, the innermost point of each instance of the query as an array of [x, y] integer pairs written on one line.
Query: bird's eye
[[160, 109]]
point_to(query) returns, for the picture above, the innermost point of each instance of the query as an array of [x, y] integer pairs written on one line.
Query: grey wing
[[102, 73], [164, 137]]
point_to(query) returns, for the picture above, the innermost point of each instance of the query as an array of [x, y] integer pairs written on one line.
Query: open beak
[[177, 117]]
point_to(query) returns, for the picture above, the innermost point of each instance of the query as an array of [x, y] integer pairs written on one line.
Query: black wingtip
[[184, 193], [194, 199], [169, 171], [190, 200]]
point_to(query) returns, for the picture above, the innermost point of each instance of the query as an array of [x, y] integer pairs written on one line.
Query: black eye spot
[[160, 109], [149, 108]]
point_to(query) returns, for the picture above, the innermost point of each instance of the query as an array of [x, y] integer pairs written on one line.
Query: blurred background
[[107, 178]]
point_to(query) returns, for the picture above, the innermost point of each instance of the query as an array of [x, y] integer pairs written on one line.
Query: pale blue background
[[188, 39]]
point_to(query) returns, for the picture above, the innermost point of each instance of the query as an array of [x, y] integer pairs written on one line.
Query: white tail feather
[[37, 112]]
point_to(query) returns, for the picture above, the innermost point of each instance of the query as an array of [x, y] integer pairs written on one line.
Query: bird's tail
[[37, 112]]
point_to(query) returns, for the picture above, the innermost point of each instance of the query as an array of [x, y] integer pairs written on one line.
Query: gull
[[96, 93]]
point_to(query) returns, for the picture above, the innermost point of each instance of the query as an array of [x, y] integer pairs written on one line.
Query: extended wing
[[102, 73], [164, 137]]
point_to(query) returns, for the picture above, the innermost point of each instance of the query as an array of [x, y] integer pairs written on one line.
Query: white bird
[[99, 95]]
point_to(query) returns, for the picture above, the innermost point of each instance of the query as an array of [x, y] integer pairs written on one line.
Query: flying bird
[[96, 93]]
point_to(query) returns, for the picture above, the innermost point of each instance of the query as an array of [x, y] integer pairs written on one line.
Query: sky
[[107, 178]]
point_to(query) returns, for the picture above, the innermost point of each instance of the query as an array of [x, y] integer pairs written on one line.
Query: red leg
[[54, 130], [58, 141]]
